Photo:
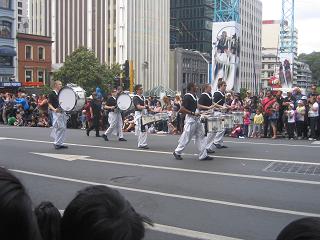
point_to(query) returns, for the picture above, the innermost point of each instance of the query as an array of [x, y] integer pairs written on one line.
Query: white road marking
[[183, 232], [163, 194], [2, 138], [169, 153], [316, 143], [271, 144], [188, 233], [85, 158]]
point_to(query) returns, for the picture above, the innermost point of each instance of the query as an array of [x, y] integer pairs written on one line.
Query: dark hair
[[190, 85], [221, 83], [136, 87], [99, 212], [302, 229], [16, 216], [49, 220]]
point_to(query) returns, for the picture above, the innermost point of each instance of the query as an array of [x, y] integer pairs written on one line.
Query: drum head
[[124, 102], [67, 99]]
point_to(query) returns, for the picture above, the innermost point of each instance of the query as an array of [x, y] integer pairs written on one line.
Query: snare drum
[[124, 102], [215, 124], [72, 98], [227, 121], [237, 117]]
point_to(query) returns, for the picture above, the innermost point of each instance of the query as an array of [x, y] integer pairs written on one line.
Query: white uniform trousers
[[59, 124], [215, 138], [192, 128], [142, 136], [115, 124]]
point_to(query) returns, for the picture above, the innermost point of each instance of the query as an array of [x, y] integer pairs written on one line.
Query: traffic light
[[126, 69]]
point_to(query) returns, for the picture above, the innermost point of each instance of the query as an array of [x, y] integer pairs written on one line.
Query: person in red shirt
[[267, 103]]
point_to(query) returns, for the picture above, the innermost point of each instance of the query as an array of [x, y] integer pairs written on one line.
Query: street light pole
[[208, 62]]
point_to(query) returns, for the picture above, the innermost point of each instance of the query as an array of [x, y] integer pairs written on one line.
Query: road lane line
[[67, 157], [156, 193], [168, 153]]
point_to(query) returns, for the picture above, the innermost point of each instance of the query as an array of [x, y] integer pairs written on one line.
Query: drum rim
[[130, 102], [76, 97]]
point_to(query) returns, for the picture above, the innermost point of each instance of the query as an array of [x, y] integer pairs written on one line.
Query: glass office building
[[191, 24]]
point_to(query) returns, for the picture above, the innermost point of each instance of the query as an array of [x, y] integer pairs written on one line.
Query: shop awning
[[7, 51]]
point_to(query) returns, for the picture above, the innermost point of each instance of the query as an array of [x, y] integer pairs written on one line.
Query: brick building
[[34, 59]]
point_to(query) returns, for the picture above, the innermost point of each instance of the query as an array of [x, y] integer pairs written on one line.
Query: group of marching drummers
[[206, 118]]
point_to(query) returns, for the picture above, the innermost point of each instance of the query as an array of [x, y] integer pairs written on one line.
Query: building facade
[[304, 76], [22, 16], [34, 59], [250, 44], [8, 30], [191, 25], [187, 66], [116, 30]]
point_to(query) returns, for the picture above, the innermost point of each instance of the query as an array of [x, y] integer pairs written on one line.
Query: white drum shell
[[237, 117], [215, 124], [227, 121], [124, 102], [72, 98]]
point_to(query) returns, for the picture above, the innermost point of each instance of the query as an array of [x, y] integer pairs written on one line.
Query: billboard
[[226, 54], [286, 69]]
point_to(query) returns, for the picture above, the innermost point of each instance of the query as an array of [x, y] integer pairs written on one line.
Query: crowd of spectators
[[269, 114]]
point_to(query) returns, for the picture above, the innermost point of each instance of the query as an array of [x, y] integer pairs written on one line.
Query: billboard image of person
[[225, 54]]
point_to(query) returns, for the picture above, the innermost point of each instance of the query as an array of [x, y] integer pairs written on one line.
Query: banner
[[286, 69], [226, 54]]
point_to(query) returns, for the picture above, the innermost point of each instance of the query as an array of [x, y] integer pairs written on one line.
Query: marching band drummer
[[219, 99], [114, 117], [205, 103], [140, 107], [59, 119], [192, 126]]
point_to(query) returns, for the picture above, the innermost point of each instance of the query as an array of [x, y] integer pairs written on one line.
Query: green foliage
[[85, 70], [46, 89], [243, 93], [313, 60]]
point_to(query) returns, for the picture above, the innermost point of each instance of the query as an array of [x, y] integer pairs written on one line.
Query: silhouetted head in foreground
[[99, 213], [49, 220], [302, 229], [17, 221]]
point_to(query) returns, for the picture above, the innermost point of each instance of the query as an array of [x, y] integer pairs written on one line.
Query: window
[[19, 11], [28, 52], [20, 4], [29, 76], [6, 61], [5, 4], [41, 53], [41, 76], [5, 29]]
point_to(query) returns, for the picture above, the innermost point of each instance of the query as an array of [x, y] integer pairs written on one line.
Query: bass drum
[[124, 102], [72, 98]]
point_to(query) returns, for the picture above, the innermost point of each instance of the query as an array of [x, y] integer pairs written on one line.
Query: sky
[[307, 20]]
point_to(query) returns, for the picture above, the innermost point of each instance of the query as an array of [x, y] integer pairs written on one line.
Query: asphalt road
[[249, 191]]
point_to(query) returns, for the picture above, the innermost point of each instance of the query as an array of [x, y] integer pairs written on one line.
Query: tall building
[[250, 44], [191, 25], [22, 13], [8, 30], [236, 41], [116, 30]]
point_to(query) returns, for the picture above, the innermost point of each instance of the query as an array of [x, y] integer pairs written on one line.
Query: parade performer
[[192, 126], [140, 108], [114, 117], [59, 118], [219, 99]]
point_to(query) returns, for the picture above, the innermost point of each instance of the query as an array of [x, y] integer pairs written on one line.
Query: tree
[[313, 60], [83, 69]]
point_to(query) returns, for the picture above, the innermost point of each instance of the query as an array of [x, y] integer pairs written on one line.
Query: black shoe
[[144, 147], [64, 146], [219, 146], [177, 156], [210, 151], [57, 146], [122, 140], [105, 137], [207, 158], [97, 135], [88, 132]]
